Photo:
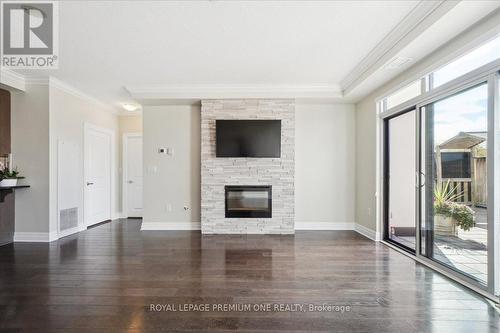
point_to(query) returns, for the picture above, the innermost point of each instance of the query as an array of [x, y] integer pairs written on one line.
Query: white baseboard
[[171, 226], [38, 237], [118, 215], [323, 226], [338, 226], [70, 231], [367, 232]]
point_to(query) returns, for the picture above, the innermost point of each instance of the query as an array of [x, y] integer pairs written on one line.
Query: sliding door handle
[[419, 179], [422, 179]]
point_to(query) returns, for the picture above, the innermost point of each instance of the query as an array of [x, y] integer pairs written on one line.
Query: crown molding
[[81, 95], [12, 79], [199, 92], [421, 17], [19, 81], [37, 80]]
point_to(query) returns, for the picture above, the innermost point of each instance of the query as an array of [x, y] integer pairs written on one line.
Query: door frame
[[125, 137], [490, 74], [112, 167], [421, 179], [385, 180]]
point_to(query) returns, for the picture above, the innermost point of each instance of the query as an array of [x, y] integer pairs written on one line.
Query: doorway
[[97, 174], [132, 174]]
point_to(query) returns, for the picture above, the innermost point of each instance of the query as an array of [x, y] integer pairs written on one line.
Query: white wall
[[324, 166], [130, 124], [30, 151], [366, 163], [173, 180], [68, 114]]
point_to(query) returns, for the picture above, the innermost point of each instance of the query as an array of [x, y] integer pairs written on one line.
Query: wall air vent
[[397, 62], [68, 218]]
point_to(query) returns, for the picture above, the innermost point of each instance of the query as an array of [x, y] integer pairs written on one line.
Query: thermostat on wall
[[166, 151]]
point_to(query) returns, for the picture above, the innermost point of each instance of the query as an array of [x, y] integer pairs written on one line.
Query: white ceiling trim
[[418, 20], [19, 81], [37, 80], [12, 79], [79, 94], [198, 92]]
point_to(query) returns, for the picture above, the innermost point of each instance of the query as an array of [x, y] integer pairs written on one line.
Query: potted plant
[[450, 215], [9, 177]]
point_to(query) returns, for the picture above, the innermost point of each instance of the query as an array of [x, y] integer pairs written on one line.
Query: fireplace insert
[[248, 201]]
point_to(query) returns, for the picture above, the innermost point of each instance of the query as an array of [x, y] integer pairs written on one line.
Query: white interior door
[[133, 174], [97, 175]]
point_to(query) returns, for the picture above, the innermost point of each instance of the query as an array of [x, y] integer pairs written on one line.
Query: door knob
[[130, 182], [89, 183]]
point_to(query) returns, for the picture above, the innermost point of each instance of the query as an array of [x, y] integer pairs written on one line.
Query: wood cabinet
[[4, 122], [7, 207], [7, 219]]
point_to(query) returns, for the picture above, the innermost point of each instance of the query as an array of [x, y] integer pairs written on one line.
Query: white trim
[[70, 231], [456, 84], [38, 237], [170, 226], [421, 17], [12, 79], [37, 80], [18, 81], [86, 127], [379, 173], [79, 94], [367, 232], [324, 226], [198, 92], [118, 215], [125, 137], [496, 183]]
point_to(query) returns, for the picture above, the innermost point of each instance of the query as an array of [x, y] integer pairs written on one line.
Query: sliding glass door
[[454, 176], [399, 187]]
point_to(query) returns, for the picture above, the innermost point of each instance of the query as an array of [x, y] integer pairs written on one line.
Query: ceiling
[[106, 46]]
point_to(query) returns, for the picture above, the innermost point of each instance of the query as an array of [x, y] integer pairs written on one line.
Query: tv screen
[[248, 138]]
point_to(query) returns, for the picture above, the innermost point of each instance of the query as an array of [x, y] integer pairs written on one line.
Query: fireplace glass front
[[248, 201]]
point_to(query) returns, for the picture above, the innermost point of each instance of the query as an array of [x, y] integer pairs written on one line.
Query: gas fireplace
[[248, 201]]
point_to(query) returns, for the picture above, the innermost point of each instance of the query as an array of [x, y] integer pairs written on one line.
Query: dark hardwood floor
[[107, 278]]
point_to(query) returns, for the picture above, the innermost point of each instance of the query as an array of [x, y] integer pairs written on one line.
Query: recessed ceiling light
[[397, 62], [130, 107]]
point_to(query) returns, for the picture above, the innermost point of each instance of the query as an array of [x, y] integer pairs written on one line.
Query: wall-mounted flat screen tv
[[248, 138]]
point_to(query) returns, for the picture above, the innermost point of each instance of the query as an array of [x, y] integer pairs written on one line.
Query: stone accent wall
[[218, 172]]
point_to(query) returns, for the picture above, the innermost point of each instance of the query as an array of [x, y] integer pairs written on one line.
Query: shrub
[[460, 213]]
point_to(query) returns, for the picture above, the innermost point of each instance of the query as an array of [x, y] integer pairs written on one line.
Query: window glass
[[455, 164], [455, 203], [481, 56]]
